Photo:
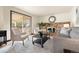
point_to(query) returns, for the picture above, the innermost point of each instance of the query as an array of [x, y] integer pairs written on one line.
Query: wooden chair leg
[[12, 43]]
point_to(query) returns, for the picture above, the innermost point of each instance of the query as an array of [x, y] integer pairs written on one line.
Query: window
[[21, 21]]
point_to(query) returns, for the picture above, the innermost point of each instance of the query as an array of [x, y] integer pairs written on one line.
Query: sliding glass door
[[21, 21]]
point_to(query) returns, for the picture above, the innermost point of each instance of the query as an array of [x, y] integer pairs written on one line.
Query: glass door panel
[[21, 22]]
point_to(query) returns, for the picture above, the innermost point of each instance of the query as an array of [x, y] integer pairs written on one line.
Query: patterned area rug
[[29, 47]]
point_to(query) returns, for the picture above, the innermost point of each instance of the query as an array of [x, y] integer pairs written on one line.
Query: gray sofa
[[70, 42]]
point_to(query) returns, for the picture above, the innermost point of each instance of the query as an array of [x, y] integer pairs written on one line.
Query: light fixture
[[66, 25]]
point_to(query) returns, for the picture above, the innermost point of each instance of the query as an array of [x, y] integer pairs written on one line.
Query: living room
[[33, 19]]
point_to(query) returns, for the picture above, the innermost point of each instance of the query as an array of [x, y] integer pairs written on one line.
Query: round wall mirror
[[52, 19]]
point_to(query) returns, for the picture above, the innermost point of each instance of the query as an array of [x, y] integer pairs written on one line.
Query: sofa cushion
[[75, 29], [75, 33]]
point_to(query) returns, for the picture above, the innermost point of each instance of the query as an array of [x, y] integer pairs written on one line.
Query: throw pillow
[[65, 32]]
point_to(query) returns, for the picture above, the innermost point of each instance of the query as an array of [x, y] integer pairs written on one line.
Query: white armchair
[[16, 35]]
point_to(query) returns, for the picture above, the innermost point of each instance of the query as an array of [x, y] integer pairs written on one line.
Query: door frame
[[21, 14]]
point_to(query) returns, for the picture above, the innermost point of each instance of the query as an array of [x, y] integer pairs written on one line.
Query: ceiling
[[45, 10]]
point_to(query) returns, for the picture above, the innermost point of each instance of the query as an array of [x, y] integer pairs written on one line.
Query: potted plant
[[41, 25]]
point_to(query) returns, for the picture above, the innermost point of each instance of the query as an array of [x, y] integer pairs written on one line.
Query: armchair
[[41, 39], [16, 35]]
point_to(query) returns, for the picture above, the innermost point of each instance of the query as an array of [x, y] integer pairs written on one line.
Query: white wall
[[34, 22], [62, 17], [76, 16], [5, 17], [1, 18], [73, 16]]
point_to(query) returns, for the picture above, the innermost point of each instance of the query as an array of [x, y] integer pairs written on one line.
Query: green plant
[[19, 25], [41, 25]]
